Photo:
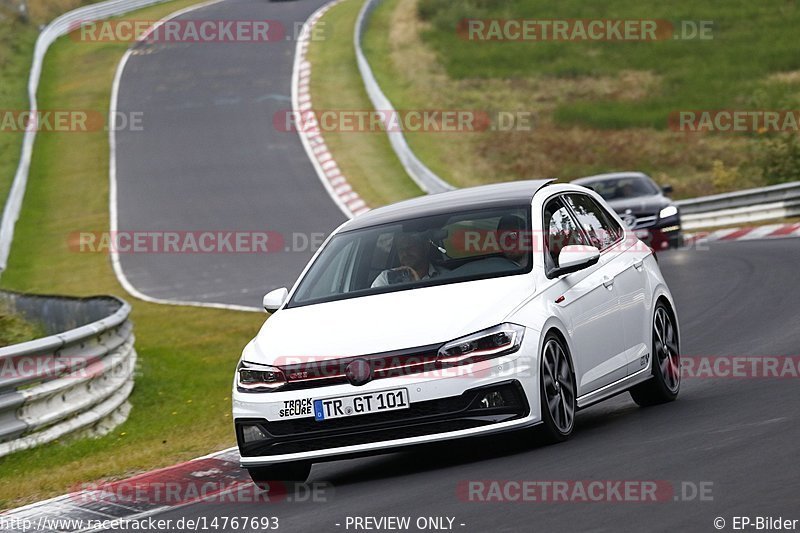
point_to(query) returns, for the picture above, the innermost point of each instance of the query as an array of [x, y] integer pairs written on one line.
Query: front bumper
[[664, 236], [441, 408]]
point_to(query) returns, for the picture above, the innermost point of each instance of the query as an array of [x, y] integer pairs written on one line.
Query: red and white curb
[[328, 171], [213, 478], [771, 231]]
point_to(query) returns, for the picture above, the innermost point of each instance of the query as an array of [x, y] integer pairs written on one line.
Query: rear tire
[[557, 391], [262, 476], [665, 363]]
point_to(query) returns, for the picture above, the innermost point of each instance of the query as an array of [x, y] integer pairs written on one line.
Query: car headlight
[[669, 211], [487, 344], [254, 377]]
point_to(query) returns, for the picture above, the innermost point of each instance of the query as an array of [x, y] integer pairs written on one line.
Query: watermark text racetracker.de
[[428, 365], [583, 491], [735, 120], [44, 367], [69, 121], [469, 242], [584, 30], [195, 31], [194, 242], [217, 488], [740, 367], [404, 120]]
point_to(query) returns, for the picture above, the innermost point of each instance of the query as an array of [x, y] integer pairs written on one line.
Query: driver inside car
[[511, 236], [413, 253]]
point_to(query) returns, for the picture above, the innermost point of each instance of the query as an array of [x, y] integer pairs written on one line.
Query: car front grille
[[422, 418], [645, 221], [310, 373]]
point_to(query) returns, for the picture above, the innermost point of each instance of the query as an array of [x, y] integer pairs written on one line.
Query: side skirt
[[612, 389]]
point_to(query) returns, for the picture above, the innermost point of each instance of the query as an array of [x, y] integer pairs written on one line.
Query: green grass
[[15, 329], [365, 158], [377, 47], [728, 71], [17, 40], [596, 106], [408, 72], [16, 51], [181, 401]]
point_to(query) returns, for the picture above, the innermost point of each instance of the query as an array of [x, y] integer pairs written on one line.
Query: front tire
[[557, 391], [665, 363], [262, 476]]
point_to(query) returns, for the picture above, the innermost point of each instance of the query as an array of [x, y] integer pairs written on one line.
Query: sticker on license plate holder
[[361, 404]]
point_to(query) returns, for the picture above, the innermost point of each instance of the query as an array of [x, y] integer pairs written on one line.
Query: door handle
[[638, 265], [608, 282]]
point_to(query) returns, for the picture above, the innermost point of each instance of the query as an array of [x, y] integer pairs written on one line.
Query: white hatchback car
[[465, 313]]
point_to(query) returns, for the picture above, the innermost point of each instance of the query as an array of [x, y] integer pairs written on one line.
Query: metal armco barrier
[[421, 174], [767, 203], [59, 27], [741, 207], [76, 380]]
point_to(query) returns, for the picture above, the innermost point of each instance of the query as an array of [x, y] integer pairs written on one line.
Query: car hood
[[640, 204], [384, 322]]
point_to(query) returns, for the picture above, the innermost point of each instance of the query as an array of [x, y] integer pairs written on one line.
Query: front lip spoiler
[[433, 417], [376, 448]]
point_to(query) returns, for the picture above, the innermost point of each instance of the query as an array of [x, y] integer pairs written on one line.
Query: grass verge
[[17, 39], [181, 402], [365, 158], [15, 329], [595, 106], [16, 50]]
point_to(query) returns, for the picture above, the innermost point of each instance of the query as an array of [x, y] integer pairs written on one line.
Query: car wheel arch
[[563, 338], [662, 298]]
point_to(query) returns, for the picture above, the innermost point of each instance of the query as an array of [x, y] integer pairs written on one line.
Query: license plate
[[361, 404]]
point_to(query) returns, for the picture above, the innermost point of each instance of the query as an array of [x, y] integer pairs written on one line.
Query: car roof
[[508, 194], [610, 175]]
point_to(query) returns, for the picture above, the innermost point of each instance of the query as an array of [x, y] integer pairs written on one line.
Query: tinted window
[[628, 187], [602, 230], [560, 231], [433, 250]]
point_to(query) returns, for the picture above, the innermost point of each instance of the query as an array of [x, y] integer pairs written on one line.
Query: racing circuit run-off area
[[399, 266]]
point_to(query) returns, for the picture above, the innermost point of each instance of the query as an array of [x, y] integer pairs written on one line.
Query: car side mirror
[[273, 300], [574, 258], [667, 189]]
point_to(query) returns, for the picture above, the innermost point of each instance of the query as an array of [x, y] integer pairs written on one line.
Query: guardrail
[[57, 28], [425, 178], [76, 381], [741, 207], [767, 203]]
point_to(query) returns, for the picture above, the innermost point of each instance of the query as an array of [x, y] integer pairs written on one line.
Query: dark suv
[[642, 205]]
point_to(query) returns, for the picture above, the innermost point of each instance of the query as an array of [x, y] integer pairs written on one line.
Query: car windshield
[[434, 250], [627, 187]]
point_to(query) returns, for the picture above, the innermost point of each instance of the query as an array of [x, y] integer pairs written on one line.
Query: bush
[[780, 159]]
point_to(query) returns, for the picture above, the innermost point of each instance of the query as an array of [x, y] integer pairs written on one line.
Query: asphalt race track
[[741, 435], [209, 159]]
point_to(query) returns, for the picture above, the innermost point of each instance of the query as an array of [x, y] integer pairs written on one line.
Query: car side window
[[600, 227], [560, 231]]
